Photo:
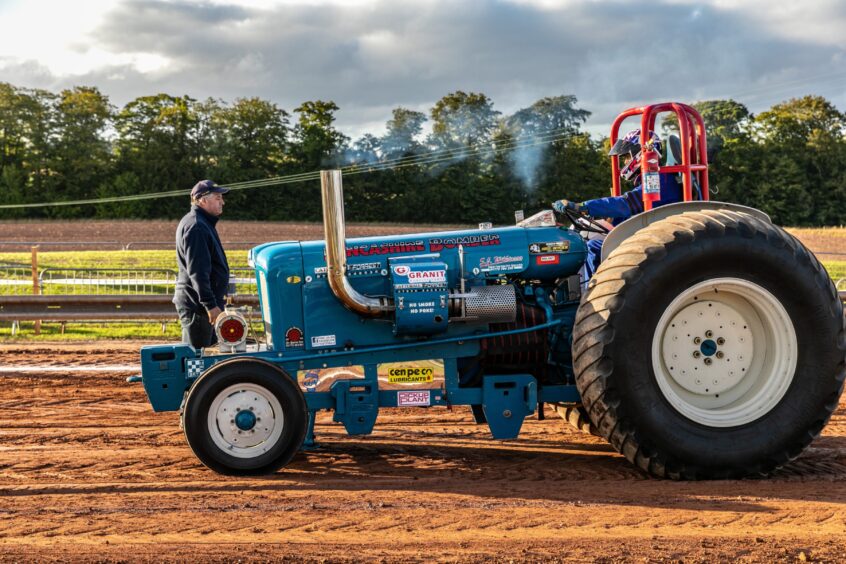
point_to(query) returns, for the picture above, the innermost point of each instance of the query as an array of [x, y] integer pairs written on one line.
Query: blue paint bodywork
[[308, 328]]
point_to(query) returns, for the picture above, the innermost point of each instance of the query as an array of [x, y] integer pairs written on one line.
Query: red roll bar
[[693, 142]]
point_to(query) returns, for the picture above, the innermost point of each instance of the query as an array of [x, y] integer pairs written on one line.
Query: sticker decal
[[549, 247], [294, 338], [438, 244], [392, 376], [415, 276], [321, 379], [310, 380], [386, 248], [416, 398], [411, 375], [501, 263], [323, 341], [363, 268], [548, 259], [195, 367], [425, 276], [653, 183]]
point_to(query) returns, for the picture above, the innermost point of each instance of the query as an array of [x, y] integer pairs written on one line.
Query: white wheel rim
[[724, 352], [261, 407]]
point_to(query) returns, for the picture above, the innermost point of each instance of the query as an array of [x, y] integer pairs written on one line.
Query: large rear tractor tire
[[577, 417], [710, 344], [245, 417]]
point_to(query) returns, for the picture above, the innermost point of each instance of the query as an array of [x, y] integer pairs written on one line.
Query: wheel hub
[[724, 352], [708, 347], [245, 420]]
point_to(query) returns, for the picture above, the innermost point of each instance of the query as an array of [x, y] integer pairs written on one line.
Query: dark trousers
[[197, 331], [594, 255]]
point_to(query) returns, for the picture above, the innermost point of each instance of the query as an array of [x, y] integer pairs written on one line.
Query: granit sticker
[[426, 276], [416, 398]]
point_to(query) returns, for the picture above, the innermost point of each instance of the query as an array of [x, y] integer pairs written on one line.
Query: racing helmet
[[630, 144]]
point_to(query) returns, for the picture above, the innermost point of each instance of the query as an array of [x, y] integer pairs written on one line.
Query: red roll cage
[[693, 142]]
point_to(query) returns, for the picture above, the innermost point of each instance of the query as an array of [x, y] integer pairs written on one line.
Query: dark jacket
[[203, 278], [620, 208]]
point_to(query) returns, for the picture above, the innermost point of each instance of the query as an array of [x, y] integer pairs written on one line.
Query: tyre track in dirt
[[88, 471]]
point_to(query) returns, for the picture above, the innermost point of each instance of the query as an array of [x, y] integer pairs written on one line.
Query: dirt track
[[87, 471]]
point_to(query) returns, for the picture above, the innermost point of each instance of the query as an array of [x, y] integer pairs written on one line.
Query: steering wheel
[[585, 222]]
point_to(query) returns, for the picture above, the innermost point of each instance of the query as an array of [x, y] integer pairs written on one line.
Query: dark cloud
[[371, 58]]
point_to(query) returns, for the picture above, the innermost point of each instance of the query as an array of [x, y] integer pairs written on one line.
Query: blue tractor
[[710, 343]]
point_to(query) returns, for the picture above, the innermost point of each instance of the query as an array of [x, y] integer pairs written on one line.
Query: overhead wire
[[453, 152], [429, 157]]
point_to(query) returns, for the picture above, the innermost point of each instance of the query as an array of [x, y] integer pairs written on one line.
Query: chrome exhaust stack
[[334, 229]]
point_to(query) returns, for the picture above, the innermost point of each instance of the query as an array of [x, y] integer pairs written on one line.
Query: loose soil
[[89, 472]]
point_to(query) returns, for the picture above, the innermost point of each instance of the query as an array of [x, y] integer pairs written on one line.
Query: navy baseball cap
[[204, 187]]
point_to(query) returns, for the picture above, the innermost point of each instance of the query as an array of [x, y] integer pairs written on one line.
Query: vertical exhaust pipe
[[334, 228]]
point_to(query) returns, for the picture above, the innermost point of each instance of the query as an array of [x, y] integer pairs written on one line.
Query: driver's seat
[[674, 152], [674, 157]]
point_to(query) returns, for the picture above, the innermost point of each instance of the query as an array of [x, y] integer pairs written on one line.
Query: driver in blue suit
[[620, 208]]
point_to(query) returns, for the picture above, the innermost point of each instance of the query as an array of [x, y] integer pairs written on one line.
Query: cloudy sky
[[370, 56]]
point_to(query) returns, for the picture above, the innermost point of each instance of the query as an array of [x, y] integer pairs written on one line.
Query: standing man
[[203, 278]]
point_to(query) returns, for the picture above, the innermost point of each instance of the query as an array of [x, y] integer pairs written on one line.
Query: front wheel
[[245, 417], [710, 345]]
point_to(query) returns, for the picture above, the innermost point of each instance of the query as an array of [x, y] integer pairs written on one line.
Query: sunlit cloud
[[373, 55]]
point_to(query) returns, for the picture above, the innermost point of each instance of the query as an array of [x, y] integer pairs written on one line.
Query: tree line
[[474, 164]]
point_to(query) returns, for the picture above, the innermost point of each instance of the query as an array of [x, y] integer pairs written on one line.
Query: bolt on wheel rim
[[724, 352], [245, 420]]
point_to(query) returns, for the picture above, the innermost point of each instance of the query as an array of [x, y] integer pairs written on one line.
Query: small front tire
[[245, 417]]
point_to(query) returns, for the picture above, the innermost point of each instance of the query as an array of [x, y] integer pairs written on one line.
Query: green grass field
[[836, 269], [79, 331], [147, 259], [112, 259]]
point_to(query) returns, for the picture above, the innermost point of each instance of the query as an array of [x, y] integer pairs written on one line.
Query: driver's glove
[[561, 206]]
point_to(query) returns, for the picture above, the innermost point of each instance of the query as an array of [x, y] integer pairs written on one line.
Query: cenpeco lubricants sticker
[[408, 374], [419, 373], [392, 376]]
